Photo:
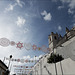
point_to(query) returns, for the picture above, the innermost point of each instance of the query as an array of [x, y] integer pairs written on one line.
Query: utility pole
[[4, 59], [9, 61], [35, 65]]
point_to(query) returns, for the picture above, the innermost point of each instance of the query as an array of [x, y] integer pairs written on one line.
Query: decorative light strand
[[5, 42], [21, 60]]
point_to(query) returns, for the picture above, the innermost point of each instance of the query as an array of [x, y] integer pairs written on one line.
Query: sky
[[31, 21]]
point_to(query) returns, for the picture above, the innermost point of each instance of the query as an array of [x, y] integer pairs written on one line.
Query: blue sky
[[31, 21]]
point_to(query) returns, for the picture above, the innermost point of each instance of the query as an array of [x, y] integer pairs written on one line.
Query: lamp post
[[35, 65], [9, 61], [4, 59]]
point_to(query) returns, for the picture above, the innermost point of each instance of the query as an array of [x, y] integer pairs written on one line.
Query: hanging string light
[[5, 42]]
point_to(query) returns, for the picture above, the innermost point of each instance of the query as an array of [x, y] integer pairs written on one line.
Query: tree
[[54, 58]]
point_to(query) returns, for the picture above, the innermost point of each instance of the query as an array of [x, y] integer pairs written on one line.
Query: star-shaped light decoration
[[28, 46], [12, 43], [18, 60], [39, 48], [48, 49], [44, 48], [22, 60], [26, 60], [19, 45], [26, 66], [34, 47], [32, 61], [4, 42], [31, 66]]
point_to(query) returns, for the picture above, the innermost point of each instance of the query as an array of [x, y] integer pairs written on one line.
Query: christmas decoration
[[4, 42], [22, 66], [39, 48], [19, 45], [21, 60], [18, 60], [28, 46], [34, 47], [44, 48], [12, 43]]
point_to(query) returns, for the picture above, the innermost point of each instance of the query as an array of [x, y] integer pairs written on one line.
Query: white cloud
[[74, 24], [26, 30], [10, 7], [70, 11], [20, 3], [20, 21], [46, 16], [71, 5], [59, 28], [60, 7], [74, 16], [44, 13], [54, 0], [65, 1]]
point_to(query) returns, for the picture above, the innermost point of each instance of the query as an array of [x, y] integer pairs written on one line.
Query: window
[[55, 37], [50, 39]]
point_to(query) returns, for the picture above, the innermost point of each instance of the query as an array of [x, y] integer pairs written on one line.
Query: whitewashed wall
[[68, 64], [68, 68]]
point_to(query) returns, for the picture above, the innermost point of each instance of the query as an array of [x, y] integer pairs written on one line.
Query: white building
[[64, 46]]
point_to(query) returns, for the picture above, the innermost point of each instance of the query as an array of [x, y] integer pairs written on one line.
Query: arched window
[[50, 39], [55, 37]]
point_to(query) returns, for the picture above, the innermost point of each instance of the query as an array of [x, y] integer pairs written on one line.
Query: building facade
[[64, 46], [56, 40], [3, 68]]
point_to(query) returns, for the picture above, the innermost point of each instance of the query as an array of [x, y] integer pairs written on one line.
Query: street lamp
[[35, 65], [9, 61], [4, 59]]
